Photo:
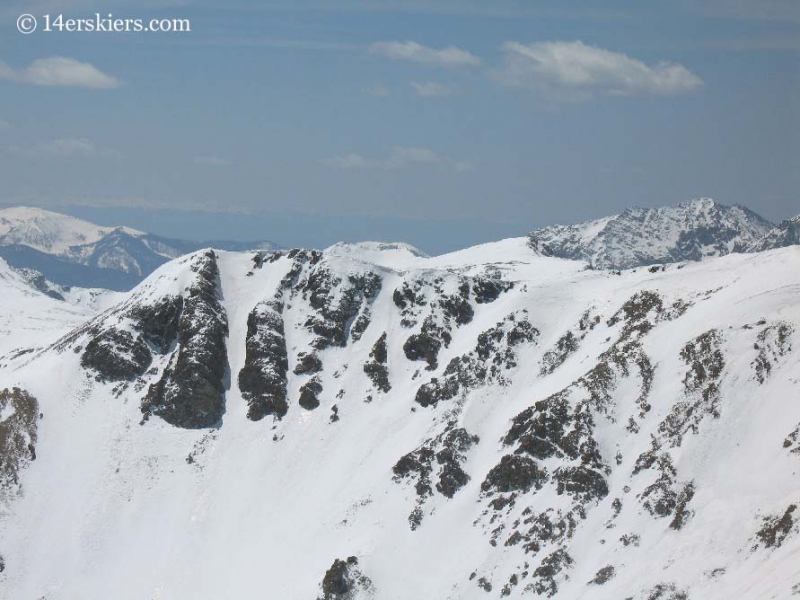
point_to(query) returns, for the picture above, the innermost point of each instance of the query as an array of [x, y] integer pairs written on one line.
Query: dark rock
[[360, 325], [682, 512], [307, 362], [426, 344], [336, 303], [706, 363], [555, 357], [457, 307], [485, 584], [548, 571], [159, 322], [376, 370], [773, 343], [488, 290], [18, 436], [336, 580], [309, 393], [191, 391], [447, 451], [554, 427], [667, 591], [345, 581], [262, 380], [494, 353], [549, 527], [514, 473], [777, 528], [116, 355], [583, 484], [604, 575]]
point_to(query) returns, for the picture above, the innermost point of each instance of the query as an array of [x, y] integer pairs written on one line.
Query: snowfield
[[483, 424]]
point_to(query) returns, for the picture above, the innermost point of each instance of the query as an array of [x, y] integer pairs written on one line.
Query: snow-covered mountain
[[367, 422], [787, 233], [73, 252], [645, 236]]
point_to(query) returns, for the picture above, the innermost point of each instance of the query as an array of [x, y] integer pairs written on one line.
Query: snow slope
[[483, 424], [30, 318], [691, 230]]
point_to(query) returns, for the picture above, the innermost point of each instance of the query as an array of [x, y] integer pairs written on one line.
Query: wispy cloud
[[576, 70], [63, 148], [379, 91], [211, 161], [401, 157], [747, 43], [758, 10], [450, 57], [4, 125], [59, 71], [431, 89]]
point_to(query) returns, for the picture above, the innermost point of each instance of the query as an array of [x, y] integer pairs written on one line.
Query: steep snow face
[[787, 233], [73, 252], [353, 424], [689, 231]]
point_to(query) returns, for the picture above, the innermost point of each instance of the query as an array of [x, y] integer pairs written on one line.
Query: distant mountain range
[[690, 231], [73, 252]]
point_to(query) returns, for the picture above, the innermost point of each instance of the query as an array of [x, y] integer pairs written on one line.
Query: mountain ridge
[[688, 231], [74, 252], [484, 424]]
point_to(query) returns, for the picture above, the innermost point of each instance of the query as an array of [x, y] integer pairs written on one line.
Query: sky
[[439, 123]]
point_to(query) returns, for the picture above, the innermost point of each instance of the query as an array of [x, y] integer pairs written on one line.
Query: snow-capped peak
[[50, 232], [692, 230]]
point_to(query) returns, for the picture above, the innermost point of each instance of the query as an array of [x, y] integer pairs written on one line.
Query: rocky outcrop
[[772, 343], [376, 368], [18, 437], [706, 362], [439, 459], [124, 352], [442, 304], [115, 355], [191, 391], [309, 393], [775, 529], [495, 353], [336, 301], [158, 322], [345, 581], [262, 380]]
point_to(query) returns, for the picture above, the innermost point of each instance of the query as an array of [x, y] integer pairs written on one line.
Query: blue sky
[[438, 123]]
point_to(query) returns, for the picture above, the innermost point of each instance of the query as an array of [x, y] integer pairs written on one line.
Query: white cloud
[[66, 147], [577, 69], [431, 89], [449, 57], [60, 71], [401, 157], [379, 91]]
